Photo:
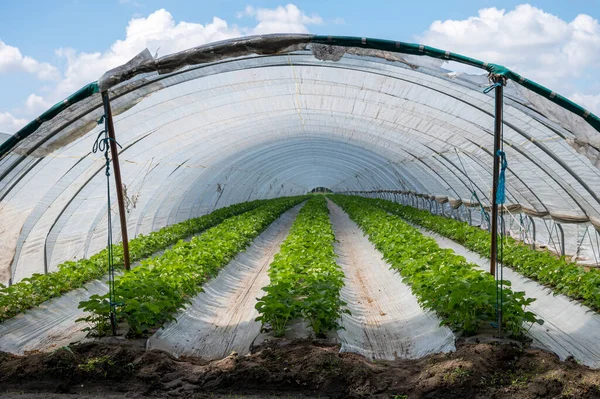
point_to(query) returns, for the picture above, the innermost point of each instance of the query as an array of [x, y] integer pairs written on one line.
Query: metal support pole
[[117, 172], [497, 141]]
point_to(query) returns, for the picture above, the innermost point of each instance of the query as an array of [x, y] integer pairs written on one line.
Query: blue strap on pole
[[488, 89], [501, 195]]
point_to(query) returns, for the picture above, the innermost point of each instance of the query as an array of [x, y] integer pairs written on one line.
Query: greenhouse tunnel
[[279, 115]]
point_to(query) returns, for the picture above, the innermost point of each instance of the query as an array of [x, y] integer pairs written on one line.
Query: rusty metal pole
[[117, 172], [497, 141]]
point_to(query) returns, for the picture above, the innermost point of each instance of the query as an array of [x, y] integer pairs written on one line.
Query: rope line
[[102, 144], [501, 198], [473, 192]]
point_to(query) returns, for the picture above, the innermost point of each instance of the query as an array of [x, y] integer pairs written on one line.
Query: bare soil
[[294, 369]]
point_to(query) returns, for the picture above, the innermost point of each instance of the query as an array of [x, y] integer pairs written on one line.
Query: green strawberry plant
[[558, 273], [463, 296], [153, 292], [70, 275], [305, 280]]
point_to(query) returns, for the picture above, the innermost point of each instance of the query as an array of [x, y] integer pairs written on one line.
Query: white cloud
[[159, 32], [11, 124], [288, 19], [590, 102], [537, 44], [248, 12], [36, 104], [131, 2], [11, 60]]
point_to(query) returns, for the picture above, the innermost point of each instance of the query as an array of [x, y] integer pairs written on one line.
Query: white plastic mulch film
[[278, 115]]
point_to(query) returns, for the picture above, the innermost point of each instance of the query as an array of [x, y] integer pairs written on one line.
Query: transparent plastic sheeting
[[222, 318], [51, 325], [385, 320], [569, 328], [580, 242], [239, 126]]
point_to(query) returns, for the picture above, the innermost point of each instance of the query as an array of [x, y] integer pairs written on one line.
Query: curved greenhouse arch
[[275, 115]]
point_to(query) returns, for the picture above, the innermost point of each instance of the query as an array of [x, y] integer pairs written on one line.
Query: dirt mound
[[490, 370]]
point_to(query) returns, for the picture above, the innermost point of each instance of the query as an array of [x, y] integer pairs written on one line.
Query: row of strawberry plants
[[305, 280], [558, 273], [151, 293], [70, 275], [463, 296]]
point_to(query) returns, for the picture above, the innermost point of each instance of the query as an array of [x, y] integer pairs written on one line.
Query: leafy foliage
[[70, 275], [305, 279], [563, 276], [464, 297], [100, 365], [152, 292]]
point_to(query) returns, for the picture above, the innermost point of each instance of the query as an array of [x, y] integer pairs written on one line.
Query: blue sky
[[68, 43]]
